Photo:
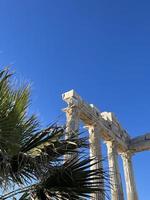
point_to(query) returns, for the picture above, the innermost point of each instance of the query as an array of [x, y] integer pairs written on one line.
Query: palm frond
[[15, 127], [15, 124], [72, 180], [53, 142]]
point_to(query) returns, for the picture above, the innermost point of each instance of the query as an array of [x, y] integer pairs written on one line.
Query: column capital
[[93, 127], [71, 110], [126, 155], [110, 143]]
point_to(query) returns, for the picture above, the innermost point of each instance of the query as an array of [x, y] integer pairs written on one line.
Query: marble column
[[95, 152], [129, 176], [115, 177], [72, 119], [72, 123]]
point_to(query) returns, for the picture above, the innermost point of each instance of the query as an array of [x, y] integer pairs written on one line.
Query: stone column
[[72, 119], [72, 123], [115, 178], [95, 152], [129, 176]]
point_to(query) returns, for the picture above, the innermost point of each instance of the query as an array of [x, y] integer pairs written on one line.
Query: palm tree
[[31, 160]]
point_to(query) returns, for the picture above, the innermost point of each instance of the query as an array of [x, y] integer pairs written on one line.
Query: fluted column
[[115, 178], [129, 176], [72, 119], [95, 151], [72, 123]]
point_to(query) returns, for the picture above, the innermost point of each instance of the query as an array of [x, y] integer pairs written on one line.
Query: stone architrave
[[129, 176], [95, 152], [115, 178]]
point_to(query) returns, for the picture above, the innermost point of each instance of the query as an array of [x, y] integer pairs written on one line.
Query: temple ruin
[[104, 126]]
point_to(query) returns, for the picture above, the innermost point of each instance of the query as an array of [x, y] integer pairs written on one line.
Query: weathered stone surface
[[89, 114], [72, 122], [119, 134], [95, 152], [115, 178], [104, 125], [129, 176], [140, 143]]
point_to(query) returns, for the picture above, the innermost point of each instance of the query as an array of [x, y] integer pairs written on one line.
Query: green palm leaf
[[72, 180]]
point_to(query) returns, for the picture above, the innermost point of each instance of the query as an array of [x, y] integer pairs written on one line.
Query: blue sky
[[99, 48]]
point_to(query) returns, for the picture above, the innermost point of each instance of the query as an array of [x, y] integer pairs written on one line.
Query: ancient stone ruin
[[104, 126]]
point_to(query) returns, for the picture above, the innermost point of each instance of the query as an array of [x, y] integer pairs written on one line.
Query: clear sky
[[99, 48]]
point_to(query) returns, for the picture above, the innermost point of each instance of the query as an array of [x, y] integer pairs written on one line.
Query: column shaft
[[72, 124], [115, 178], [72, 117], [129, 177], [95, 151]]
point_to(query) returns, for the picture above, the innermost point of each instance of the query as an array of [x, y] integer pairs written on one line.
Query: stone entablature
[[89, 114], [140, 143]]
